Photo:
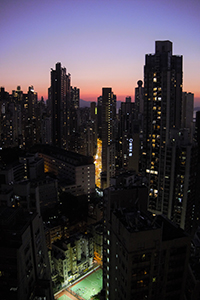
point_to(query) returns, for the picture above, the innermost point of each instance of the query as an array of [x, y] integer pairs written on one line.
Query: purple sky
[[101, 43]]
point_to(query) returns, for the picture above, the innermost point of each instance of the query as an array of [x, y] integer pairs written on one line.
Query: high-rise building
[[99, 116], [192, 288], [74, 105], [169, 153], [139, 99], [20, 121], [75, 97], [60, 105], [179, 201], [24, 263], [187, 111], [92, 134], [162, 112], [29, 121], [139, 114], [146, 258], [128, 137], [197, 190], [7, 120], [108, 117]]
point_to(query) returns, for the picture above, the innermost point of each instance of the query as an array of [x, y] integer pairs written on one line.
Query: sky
[[101, 43]]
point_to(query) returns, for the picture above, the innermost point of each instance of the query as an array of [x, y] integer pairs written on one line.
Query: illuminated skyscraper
[[60, 104], [169, 156], [162, 112]]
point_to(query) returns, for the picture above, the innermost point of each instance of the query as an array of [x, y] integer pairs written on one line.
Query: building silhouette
[[187, 111], [19, 120], [60, 106], [99, 116], [24, 263], [139, 99], [108, 147], [128, 137]]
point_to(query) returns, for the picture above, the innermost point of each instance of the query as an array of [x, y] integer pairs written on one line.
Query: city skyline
[[101, 44]]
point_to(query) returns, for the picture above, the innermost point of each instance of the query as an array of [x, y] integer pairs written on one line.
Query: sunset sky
[[101, 43]]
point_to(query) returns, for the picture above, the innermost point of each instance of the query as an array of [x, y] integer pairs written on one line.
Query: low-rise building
[[97, 230], [73, 168], [72, 257]]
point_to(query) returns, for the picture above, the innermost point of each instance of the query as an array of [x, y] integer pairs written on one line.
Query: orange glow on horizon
[[121, 96]]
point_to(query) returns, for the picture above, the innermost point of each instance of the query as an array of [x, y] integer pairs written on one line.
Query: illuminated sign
[[130, 147]]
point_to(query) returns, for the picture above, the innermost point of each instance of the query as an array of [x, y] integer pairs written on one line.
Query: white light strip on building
[[151, 171]]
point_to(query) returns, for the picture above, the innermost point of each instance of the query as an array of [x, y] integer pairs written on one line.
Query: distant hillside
[[119, 104], [196, 108], [84, 103]]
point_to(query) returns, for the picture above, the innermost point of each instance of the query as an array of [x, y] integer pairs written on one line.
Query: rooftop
[[64, 155], [135, 220]]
